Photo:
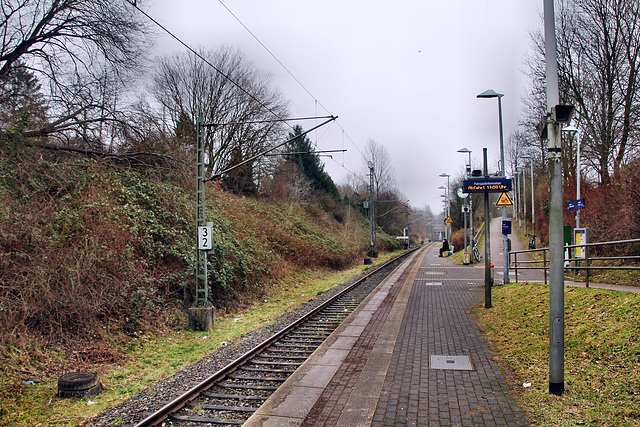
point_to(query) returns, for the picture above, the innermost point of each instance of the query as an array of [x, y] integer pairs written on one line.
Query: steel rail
[[181, 401]]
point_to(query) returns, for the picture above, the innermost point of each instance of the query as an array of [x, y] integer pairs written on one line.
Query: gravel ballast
[[136, 408]]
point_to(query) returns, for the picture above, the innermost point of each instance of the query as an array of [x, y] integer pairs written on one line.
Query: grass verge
[[602, 353], [153, 358]]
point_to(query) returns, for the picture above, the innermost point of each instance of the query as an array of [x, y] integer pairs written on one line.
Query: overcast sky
[[404, 73]]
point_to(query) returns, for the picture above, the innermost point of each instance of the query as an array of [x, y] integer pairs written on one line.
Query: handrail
[[587, 259], [479, 232]]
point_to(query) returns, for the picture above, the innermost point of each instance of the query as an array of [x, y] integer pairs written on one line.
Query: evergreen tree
[[239, 180], [185, 128], [21, 102], [302, 154]]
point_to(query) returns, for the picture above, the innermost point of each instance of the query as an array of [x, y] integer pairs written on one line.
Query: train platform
[[411, 354]]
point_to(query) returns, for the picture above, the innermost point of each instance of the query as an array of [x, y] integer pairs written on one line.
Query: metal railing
[[578, 263]]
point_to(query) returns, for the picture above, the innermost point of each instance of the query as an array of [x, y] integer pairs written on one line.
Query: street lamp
[[526, 158], [520, 193], [533, 206], [445, 202], [505, 245], [447, 225], [468, 203], [490, 93], [467, 151], [574, 130], [516, 193], [519, 170]]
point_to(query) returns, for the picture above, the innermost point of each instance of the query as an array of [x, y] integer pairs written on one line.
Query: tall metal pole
[[449, 209], [578, 178], [202, 312], [524, 197], [447, 225], [505, 238], [467, 212], [465, 227], [556, 235], [470, 197], [487, 240], [516, 206], [533, 211], [406, 211], [372, 213], [202, 285]]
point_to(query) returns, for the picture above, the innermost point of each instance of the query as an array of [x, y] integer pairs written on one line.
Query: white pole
[[578, 180], [505, 238], [533, 204], [524, 197]]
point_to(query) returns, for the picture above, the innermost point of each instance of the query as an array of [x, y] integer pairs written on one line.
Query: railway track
[[231, 395]]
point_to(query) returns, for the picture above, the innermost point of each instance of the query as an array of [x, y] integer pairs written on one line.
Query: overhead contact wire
[[205, 60]]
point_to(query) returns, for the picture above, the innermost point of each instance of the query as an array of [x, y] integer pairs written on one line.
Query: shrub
[[90, 251]]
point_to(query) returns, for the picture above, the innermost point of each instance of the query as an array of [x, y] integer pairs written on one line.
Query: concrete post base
[[202, 318]]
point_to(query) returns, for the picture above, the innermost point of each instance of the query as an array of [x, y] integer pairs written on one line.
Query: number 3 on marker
[[204, 237]]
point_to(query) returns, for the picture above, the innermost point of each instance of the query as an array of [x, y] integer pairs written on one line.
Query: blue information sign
[[491, 185], [506, 226], [575, 205]]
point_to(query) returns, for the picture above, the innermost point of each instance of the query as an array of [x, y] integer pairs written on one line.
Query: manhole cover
[[456, 363]]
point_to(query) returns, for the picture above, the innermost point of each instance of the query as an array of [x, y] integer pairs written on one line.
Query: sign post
[[575, 205], [486, 185], [504, 200]]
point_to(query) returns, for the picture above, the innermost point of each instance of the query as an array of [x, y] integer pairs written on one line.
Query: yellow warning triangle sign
[[449, 220], [504, 200]]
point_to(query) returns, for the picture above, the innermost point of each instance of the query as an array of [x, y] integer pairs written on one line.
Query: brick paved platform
[[411, 354]]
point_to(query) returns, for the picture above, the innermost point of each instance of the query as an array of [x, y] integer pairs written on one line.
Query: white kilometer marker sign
[[205, 241]]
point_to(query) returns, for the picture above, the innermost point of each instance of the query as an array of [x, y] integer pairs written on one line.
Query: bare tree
[[80, 51], [384, 176], [598, 66], [228, 97], [422, 221]]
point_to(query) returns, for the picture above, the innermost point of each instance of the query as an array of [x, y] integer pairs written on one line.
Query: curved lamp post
[[468, 203], [527, 158], [447, 225], [505, 245]]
